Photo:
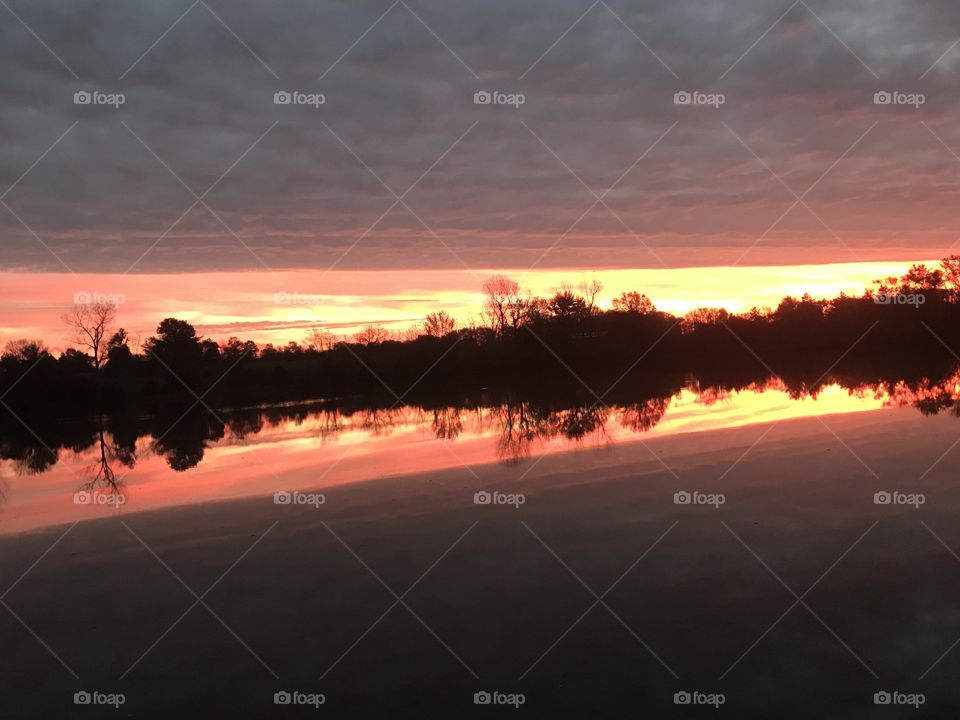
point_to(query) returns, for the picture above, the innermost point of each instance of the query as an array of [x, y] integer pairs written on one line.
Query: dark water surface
[[796, 594]]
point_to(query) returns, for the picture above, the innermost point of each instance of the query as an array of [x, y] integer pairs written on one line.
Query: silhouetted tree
[[590, 290], [407, 334], [633, 302], [177, 348], [704, 316], [504, 307], [118, 345], [23, 351], [567, 306], [234, 350], [91, 324], [800, 336], [320, 340], [950, 267], [371, 334], [438, 324], [920, 277], [74, 362]]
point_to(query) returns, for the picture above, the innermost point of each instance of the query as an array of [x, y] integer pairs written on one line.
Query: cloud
[[314, 187], [261, 327]]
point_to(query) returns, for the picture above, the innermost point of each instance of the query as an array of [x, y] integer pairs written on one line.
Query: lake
[[230, 454], [751, 553]]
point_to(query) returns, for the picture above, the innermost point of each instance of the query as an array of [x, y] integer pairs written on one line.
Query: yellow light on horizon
[[218, 303]]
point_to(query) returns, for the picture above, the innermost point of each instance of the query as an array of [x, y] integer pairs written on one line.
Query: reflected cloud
[[363, 438]]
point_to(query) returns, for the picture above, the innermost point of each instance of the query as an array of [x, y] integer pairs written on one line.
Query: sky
[[198, 172], [284, 307]]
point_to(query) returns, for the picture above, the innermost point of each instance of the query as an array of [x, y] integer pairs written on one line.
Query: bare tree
[[24, 350], [372, 334], [704, 316], [320, 340], [438, 324], [101, 473], [92, 324], [504, 307], [590, 291], [407, 334]]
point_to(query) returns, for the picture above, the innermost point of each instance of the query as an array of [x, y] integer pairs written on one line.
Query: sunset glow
[[283, 307], [418, 358]]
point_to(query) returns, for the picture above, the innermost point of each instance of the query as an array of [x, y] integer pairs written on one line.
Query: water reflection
[[99, 455], [521, 424], [113, 453], [184, 444]]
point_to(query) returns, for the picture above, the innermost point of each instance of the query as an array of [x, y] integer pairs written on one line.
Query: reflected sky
[[328, 448]]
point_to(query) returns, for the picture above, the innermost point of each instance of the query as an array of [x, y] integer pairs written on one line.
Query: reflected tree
[[184, 443], [518, 431], [103, 476], [643, 417], [447, 423], [520, 424], [576, 423]]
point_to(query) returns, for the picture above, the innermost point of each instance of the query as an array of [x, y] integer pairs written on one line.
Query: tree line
[[541, 345]]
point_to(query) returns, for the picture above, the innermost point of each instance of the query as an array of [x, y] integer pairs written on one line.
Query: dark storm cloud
[[798, 79]]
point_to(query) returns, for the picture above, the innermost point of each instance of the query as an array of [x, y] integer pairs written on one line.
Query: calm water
[[104, 471], [696, 599]]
